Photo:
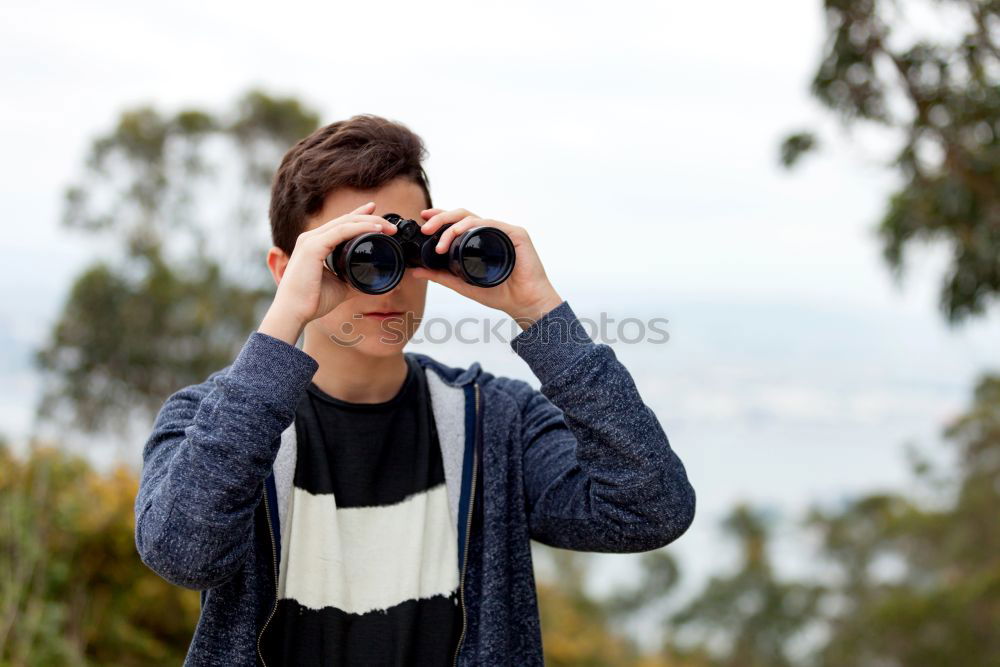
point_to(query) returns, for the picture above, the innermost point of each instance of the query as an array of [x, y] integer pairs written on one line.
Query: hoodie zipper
[[274, 561], [468, 529]]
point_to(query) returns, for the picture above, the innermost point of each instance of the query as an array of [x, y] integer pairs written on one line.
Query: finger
[[443, 218], [507, 228], [430, 212], [385, 226], [449, 234], [326, 241], [363, 211], [517, 235]]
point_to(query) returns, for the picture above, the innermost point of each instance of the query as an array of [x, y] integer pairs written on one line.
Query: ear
[[277, 261]]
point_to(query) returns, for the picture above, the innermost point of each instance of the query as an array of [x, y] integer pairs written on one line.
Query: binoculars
[[373, 263]]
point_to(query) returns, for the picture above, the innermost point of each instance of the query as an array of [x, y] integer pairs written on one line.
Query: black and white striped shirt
[[370, 575]]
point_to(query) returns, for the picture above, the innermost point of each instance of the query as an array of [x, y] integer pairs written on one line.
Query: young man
[[350, 503]]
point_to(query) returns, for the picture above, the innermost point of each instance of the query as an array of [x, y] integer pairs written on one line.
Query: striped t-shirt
[[369, 576]]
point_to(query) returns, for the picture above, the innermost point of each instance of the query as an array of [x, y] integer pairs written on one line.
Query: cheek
[[340, 322]]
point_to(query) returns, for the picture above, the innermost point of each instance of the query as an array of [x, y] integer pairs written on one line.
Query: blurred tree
[[751, 617], [173, 198], [581, 630], [576, 628], [942, 97], [72, 590], [659, 575], [920, 585], [919, 579]]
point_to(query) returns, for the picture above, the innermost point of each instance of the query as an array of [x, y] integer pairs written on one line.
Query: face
[[352, 322]]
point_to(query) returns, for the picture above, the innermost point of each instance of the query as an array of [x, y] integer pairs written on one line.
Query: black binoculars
[[374, 263]]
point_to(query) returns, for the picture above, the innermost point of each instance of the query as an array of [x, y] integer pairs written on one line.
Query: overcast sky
[[656, 124], [637, 141]]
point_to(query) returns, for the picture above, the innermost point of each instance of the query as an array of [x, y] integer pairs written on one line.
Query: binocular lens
[[487, 256], [373, 263]]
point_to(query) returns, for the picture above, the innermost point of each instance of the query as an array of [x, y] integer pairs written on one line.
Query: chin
[[370, 337], [374, 348]]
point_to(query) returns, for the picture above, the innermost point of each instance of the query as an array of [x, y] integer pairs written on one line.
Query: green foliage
[[918, 581], [179, 290], [581, 630], [943, 99], [124, 343], [660, 574], [576, 631], [942, 605], [795, 146], [73, 590], [265, 127], [752, 613]]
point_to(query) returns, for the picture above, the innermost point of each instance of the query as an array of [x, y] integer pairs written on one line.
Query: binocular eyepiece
[[374, 263]]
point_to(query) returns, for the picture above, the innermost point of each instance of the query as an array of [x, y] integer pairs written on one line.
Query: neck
[[347, 374]]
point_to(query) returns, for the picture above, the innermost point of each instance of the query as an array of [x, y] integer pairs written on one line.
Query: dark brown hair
[[362, 152]]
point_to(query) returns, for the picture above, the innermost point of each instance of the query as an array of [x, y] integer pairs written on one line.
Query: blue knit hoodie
[[581, 464]]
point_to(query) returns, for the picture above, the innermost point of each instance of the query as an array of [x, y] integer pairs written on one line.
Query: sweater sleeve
[[599, 472], [204, 465]]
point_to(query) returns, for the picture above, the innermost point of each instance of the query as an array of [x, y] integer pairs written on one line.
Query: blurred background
[[807, 190]]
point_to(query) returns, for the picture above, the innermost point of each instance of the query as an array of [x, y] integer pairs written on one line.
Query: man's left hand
[[526, 295]]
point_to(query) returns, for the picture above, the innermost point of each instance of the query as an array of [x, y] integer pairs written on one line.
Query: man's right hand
[[306, 289]]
